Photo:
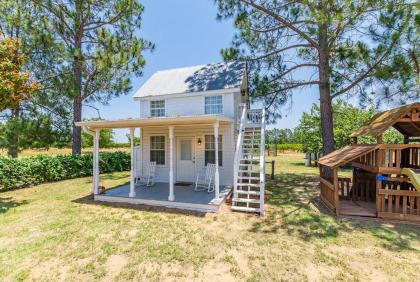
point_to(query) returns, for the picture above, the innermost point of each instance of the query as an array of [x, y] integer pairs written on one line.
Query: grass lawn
[[53, 232]]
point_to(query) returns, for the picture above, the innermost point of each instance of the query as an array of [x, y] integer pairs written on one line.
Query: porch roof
[[155, 121]]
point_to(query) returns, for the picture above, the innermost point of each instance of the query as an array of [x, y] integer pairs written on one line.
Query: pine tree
[[338, 46], [102, 50]]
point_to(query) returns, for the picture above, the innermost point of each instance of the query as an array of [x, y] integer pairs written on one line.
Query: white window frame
[[157, 108], [158, 149], [213, 105], [220, 139]]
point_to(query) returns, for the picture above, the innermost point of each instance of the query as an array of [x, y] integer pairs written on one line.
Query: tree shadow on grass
[[296, 208], [8, 203]]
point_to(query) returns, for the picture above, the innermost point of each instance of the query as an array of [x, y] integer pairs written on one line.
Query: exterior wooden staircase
[[249, 170]]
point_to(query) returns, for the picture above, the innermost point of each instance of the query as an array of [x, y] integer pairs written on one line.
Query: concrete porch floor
[[157, 195]]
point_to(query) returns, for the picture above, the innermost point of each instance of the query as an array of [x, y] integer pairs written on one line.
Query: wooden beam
[[365, 167], [327, 183]]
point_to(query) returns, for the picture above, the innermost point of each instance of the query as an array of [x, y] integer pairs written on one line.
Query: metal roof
[[194, 79], [346, 155], [402, 119], [155, 121]]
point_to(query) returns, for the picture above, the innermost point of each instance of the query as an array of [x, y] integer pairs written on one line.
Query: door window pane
[[186, 150]]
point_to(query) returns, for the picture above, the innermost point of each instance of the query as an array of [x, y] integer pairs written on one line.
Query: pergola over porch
[[94, 127]]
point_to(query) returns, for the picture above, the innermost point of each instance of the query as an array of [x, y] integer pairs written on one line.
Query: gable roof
[[346, 155], [392, 118], [194, 79]]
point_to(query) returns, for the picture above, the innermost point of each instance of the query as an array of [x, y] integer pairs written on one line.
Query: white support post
[[216, 149], [171, 196], [132, 193], [96, 162]]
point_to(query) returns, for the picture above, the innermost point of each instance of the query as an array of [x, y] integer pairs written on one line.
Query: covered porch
[[163, 193], [157, 195]]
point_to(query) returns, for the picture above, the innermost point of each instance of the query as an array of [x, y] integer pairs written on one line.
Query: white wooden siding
[[162, 171], [191, 105]]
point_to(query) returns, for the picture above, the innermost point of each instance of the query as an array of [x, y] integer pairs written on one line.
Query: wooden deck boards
[[361, 208]]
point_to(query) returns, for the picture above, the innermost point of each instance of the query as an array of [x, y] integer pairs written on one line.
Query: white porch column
[[171, 196], [216, 149], [96, 162], [132, 193]]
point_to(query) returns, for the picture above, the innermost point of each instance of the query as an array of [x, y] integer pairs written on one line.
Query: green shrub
[[287, 147], [48, 168]]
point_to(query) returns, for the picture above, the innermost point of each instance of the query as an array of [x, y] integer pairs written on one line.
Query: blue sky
[[186, 33]]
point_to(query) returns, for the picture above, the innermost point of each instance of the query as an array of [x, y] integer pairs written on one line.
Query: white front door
[[185, 160]]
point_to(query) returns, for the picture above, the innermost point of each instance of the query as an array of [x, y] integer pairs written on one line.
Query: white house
[[186, 116]]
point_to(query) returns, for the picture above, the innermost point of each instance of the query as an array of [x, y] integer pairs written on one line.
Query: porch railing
[[238, 150], [262, 162], [254, 117]]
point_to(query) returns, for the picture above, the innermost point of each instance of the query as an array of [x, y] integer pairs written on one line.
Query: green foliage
[[106, 139], [17, 173], [362, 46], [279, 136], [288, 147], [347, 119], [33, 132]]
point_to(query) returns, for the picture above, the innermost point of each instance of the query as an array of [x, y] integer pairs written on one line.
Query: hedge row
[[287, 147], [48, 168]]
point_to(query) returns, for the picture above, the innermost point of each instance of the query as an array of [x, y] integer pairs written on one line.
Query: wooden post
[[96, 162], [171, 196], [336, 196], [216, 149], [272, 170], [132, 193]]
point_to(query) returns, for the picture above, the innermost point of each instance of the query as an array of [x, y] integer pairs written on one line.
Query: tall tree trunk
[[325, 93], [77, 73], [14, 134], [77, 131]]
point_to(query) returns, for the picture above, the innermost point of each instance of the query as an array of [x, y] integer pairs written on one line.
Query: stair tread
[[248, 192], [244, 200], [245, 209], [249, 177], [249, 184]]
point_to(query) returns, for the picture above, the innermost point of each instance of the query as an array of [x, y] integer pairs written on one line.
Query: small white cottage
[[198, 141]]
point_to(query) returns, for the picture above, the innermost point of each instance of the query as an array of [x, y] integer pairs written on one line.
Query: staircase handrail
[[262, 163], [238, 150]]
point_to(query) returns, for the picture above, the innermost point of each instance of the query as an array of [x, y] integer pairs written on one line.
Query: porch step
[[244, 200], [245, 209]]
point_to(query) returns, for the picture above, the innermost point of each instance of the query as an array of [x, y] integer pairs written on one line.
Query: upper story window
[[157, 108], [213, 105]]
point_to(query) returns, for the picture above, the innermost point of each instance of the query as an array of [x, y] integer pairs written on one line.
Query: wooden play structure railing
[[377, 178]]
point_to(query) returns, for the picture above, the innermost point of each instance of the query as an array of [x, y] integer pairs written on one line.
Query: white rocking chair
[[205, 179], [149, 179]]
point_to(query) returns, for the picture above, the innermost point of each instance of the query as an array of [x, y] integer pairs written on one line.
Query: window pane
[[209, 156], [157, 149], [158, 157], [213, 105], [157, 108], [186, 154]]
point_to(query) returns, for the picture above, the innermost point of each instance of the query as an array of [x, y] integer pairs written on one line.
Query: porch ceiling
[[156, 121]]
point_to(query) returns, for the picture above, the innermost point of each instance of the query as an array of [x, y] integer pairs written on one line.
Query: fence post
[[272, 169]]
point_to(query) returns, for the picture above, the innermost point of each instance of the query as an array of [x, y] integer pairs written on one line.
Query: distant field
[[59, 151]]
